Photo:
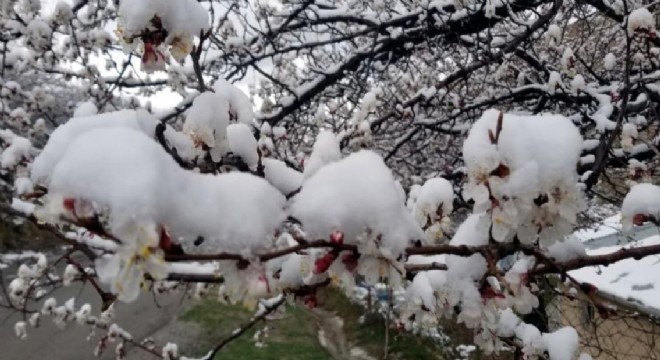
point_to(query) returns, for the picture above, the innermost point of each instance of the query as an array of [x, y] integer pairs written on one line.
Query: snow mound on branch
[[640, 20], [129, 175], [212, 113], [435, 195], [284, 178], [561, 344], [421, 292], [353, 195], [242, 143], [179, 17], [234, 212], [86, 108], [207, 122], [18, 149], [472, 267], [64, 135], [568, 249], [240, 106], [325, 150], [642, 199], [119, 169]]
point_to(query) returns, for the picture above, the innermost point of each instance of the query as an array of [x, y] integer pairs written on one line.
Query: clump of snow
[[121, 178], [325, 151], [240, 106], [609, 61], [212, 113], [18, 149], [284, 178], [568, 60], [526, 177], [473, 267], [23, 185], [628, 136], [578, 84], [561, 344], [642, 200], [139, 183], [242, 143], [433, 204], [86, 108], [234, 212], [357, 196], [207, 121], [554, 82], [64, 135], [181, 18], [554, 34], [640, 19], [568, 249]]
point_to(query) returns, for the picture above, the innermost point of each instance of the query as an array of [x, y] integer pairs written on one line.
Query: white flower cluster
[[522, 173], [157, 24]]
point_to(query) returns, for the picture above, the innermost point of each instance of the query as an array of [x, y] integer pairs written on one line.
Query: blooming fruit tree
[[377, 121]]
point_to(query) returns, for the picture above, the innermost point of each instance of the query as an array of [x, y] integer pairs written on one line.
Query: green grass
[[293, 336], [370, 334]]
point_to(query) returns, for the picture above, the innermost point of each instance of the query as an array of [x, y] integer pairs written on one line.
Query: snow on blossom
[[561, 344], [234, 212], [554, 82], [38, 34], [473, 267], [240, 106], [571, 247], [23, 185], [284, 178], [420, 292], [207, 121], [20, 329], [640, 19], [641, 202], [628, 135], [326, 150], [70, 274], [357, 196], [170, 351], [139, 183], [525, 176], [18, 149], [64, 135], [178, 17], [578, 83], [120, 178], [86, 108], [433, 204], [609, 62]]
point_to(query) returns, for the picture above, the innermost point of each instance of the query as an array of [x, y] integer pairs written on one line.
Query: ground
[[336, 329]]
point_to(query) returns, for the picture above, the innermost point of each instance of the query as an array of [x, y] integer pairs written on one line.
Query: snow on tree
[[276, 148]]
